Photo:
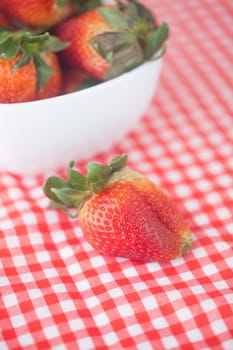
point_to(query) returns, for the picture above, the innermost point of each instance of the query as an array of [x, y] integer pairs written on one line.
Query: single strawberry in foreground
[[29, 68], [121, 212], [110, 40]]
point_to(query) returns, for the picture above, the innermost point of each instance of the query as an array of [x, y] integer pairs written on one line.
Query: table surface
[[58, 293]]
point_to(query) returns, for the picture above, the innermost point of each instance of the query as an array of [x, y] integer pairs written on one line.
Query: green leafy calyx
[[135, 37], [78, 188], [26, 46]]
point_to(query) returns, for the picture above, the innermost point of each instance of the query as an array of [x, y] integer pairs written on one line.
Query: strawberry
[[37, 13], [121, 212], [109, 40], [4, 20], [19, 86], [54, 84], [25, 66], [74, 80]]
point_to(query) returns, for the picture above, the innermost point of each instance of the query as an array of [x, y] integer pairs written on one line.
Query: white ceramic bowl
[[40, 136]]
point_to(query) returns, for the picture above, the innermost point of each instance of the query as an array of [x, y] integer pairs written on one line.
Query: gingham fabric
[[58, 293]]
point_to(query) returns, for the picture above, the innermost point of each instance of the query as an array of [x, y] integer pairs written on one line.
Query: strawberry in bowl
[[29, 67], [38, 13], [121, 212], [110, 40]]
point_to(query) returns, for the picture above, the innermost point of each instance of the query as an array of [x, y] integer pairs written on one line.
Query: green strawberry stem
[[27, 46], [135, 37], [79, 188]]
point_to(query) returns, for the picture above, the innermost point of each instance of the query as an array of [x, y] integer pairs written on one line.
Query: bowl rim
[[101, 85]]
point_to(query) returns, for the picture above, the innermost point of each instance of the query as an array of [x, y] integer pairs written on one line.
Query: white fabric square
[[106, 277], [144, 346], [86, 343], [150, 303], [208, 305], [163, 281], [174, 295], [116, 292], [60, 347], [4, 281], [67, 305], [15, 193], [74, 269], [199, 252], [218, 326], [135, 330], [76, 324], [83, 285], [6, 225], [110, 338], [19, 260], [184, 314], [97, 261], [58, 236], [220, 285], [43, 256], [223, 213], [130, 272], [51, 332], [229, 262], [230, 228], [140, 286], [25, 340], [43, 312], [52, 272], [187, 276], [160, 323], [183, 190], [228, 344], [34, 293], [221, 246], [194, 335], [66, 252], [3, 345], [18, 321], [202, 219], [35, 238], [51, 217], [12, 241], [125, 310], [10, 300], [210, 269], [213, 198], [59, 288], [92, 302], [29, 218], [101, 319], [170, 342]]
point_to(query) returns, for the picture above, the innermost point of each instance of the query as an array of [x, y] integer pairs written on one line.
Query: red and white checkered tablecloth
[[58, 293]]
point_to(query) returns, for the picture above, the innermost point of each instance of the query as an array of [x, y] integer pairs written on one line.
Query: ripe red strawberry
[[37, 13], [19, 86], [121, 212], [74, 80], [109, 40], [4, 20], [27, 64], [54, 84]]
